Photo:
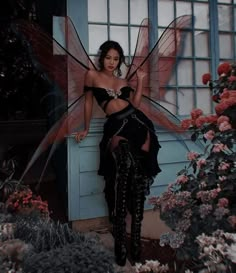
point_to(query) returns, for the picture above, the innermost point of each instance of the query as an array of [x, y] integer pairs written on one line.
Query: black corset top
[[106, 95]]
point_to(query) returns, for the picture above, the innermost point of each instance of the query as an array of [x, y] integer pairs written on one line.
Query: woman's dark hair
[[104, 48]]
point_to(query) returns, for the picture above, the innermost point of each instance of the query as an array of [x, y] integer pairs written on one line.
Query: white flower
[[231, 252]]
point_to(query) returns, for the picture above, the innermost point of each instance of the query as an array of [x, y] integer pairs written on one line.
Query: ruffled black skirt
[[134, 126]]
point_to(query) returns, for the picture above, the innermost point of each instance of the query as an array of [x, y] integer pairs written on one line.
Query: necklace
[[113, 93]]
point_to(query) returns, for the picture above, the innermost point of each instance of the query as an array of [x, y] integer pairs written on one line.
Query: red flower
[[223, 68], [225, 94], [215, 98], [206, 78], [195, 113], [200, 121], [212, 118], [186, 123]]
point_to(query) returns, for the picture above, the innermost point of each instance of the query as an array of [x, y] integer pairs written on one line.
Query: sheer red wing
[[66, 65], [160, 61], [140, 55], [57, 133], [159, 64]]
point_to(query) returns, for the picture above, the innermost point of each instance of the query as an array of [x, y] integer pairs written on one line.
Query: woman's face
[[111, 60]]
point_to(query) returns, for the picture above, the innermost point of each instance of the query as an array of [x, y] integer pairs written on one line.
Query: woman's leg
[[123, 162], [137, 207]]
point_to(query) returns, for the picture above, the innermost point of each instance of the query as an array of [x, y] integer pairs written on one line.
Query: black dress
[[128, 170]]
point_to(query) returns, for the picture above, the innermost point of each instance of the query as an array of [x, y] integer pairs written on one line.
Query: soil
[[151, 250]]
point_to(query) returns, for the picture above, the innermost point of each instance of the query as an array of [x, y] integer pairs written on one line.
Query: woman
[[128, 149]]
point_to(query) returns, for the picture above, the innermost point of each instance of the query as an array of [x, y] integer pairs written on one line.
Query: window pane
[[201, 13], [201, 39], [202, 67], [185, 71], [185, 101], [120, 34], [183, 8], [165, 7], [170, 97], [119, 11], [97, 35], [204, 100], [172, 80], [187, 45], [93, 7], [140, 10], [224, 17], [225, 1], [134, 35], [226, 50]]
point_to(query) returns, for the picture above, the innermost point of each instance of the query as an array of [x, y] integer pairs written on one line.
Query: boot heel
[[121, 254], [135, 253]]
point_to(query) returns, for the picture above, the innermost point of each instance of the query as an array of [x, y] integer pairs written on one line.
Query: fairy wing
[[159, 63], [65, 64]]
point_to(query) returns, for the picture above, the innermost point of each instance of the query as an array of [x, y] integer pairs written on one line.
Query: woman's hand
[[79, 136], [141, 73]]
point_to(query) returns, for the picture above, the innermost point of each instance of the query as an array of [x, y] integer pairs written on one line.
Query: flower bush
[[218, 251], [224, 90], [151, 266], [202, 200], [25, 202], [226, 80], [42, 245]]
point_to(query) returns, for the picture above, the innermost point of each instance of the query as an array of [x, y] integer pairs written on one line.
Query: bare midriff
[[115, 106]]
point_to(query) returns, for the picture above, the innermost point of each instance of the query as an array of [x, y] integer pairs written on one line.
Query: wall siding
[[85, 187]]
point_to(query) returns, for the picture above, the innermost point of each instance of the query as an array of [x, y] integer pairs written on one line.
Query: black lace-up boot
[[109, 192], [138, 198], [123, 162]]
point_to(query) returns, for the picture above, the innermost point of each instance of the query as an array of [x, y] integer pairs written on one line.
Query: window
[[116, 20], [210, 40]]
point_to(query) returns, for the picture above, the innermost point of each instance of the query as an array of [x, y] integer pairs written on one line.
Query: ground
[[151, 249]]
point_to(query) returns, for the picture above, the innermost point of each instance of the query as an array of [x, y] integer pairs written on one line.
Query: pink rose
[[192, 156], [201, 162], [232, 220], [209, 135], [223, 166], [232, 78], [182, 179], [223, 202], [218, 147], [224, 126], [222, 119]]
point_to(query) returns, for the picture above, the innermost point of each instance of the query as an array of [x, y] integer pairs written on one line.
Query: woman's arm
[[88, 107], [136, 99]]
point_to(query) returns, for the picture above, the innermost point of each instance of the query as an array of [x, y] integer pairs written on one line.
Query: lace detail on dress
[[113, 93]]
